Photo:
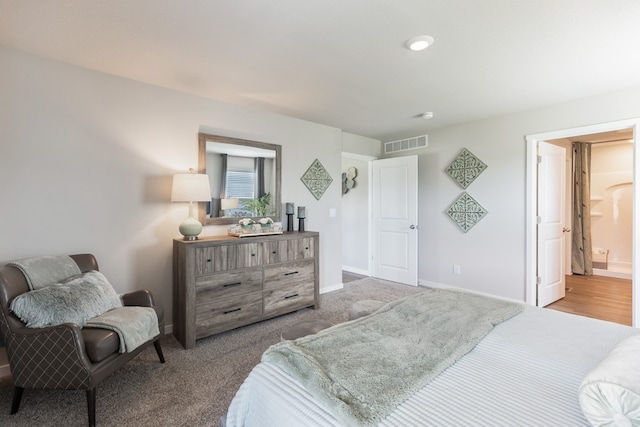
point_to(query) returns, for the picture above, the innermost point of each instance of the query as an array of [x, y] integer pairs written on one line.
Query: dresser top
[[230, 239]]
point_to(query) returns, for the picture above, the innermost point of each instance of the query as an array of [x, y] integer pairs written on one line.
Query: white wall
[[357, 144], [356, 219], [492, 254], [87, 159], [356, 224]]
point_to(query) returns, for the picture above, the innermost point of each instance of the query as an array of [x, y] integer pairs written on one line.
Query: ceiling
[[342, 63]]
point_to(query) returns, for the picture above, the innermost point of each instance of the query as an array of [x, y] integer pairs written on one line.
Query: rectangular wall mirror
[[244, 176]]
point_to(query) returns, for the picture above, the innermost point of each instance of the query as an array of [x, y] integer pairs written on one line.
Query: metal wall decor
[[466, 212], [316, 179], [465, 168], [349, 179]]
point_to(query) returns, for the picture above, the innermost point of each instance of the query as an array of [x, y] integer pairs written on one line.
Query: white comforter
[[526, 372]]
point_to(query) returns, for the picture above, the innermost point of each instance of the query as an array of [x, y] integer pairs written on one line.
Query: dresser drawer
[[227, 284], [301, 248], [293, 297], [218, 314], [287, 273], [215, 259]]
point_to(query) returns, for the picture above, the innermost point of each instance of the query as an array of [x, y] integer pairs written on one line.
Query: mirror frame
[[202, 168]]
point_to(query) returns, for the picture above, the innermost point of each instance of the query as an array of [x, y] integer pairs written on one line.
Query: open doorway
[[611, 201], [604, 290], [630, 126]]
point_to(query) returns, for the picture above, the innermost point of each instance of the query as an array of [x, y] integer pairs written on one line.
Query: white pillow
[[610, 394]]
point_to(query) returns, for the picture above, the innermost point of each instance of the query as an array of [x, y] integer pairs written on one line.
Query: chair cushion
[[100, 343]]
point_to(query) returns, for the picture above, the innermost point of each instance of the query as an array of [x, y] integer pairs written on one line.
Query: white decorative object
[[265, 223], [349, 179]]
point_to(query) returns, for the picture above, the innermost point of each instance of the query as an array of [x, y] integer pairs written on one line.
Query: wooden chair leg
[[156, 344], [91, 406], [17, 397]]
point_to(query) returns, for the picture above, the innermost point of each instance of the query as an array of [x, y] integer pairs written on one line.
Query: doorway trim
[[531, 206]]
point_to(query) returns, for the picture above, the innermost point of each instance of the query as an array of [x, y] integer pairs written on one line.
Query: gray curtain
[[223, 177], [259, 171], [581, 250]]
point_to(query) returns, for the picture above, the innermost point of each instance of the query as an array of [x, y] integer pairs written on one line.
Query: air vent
[[406, 144]]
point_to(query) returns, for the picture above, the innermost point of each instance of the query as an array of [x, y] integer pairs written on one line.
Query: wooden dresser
[[221, 283]]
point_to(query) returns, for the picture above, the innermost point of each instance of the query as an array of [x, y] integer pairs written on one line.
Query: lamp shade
[[190, 187], [229, 204]]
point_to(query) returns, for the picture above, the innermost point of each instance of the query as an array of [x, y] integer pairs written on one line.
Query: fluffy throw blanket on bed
[[363, 369]]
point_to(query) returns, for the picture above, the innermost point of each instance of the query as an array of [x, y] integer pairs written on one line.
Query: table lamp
[[190, 187], [227, 204]]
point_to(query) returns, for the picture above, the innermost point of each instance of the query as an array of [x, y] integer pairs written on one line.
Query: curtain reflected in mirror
[[244, 177]]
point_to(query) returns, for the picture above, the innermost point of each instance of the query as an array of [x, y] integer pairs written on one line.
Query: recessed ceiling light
[[419, 43], [428, 115]]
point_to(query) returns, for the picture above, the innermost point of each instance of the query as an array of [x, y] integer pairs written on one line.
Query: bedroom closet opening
[[599, 216]]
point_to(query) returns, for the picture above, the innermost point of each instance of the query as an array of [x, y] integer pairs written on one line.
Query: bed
[[536, 367]]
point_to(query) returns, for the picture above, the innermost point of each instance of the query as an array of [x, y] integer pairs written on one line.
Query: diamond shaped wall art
[[465, 168], [317, 179], [466, 212]]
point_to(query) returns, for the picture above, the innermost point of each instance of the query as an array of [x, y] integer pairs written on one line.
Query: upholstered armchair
[[66, 356]]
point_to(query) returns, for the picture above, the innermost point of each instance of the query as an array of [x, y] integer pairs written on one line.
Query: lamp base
[[190, 228]]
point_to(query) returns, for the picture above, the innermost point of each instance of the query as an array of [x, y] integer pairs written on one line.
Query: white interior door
[[395, 216], [551, 217]]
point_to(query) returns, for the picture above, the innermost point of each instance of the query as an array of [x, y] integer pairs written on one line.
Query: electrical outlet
[[456, 269]]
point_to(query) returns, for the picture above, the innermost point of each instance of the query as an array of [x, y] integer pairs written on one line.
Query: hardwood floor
[[605, 298]]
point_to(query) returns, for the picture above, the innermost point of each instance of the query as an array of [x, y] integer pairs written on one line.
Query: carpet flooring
[[194, 387]]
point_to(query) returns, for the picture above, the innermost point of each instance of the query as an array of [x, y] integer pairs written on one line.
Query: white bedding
[[526, 372]]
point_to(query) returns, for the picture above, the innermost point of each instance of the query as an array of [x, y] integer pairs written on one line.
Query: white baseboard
[[454, 288], [356, 270]]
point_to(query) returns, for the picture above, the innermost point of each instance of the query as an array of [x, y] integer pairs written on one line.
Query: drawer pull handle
[[307, 248], [253, 254], [231, 311], [289, 274], [209, 260], [274, 252], [232, 284], [291, 296]]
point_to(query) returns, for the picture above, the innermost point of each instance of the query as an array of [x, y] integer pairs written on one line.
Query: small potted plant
[[246, 224], [265, 223]]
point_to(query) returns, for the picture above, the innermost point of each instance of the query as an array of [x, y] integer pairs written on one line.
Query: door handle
[[566, 230], [413, 227]]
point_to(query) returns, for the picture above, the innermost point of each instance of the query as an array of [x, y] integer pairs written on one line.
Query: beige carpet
[[194, 387]]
